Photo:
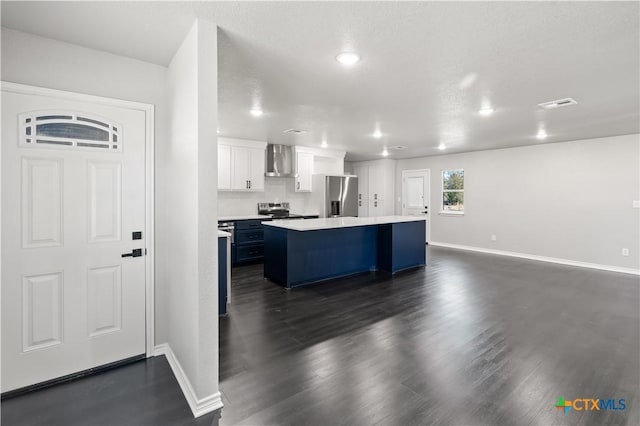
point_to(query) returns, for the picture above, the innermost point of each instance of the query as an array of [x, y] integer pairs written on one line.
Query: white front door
[[415, 195], [73, 194]]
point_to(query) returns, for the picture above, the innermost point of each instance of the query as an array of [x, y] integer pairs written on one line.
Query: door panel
[[41, 202], [105, 213], [70, 302], [42, 311], [104, 300]]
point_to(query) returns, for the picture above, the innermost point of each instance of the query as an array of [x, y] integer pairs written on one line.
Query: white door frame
[[428, 172], [149, 111]]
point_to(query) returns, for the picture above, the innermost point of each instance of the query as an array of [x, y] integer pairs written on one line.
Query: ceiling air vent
[[558, 103], [295, 131], [398, 147]]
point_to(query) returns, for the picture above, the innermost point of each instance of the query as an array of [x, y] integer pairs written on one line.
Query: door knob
[[134, 253]]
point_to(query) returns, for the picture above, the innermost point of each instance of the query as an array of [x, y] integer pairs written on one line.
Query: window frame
[[444, 212]]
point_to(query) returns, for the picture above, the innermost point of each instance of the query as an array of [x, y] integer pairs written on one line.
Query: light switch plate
[[636, 204]]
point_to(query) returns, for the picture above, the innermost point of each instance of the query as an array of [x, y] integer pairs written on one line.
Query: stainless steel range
[[279, 210]]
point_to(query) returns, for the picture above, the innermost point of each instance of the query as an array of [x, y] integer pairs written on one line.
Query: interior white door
[[415, 195], [73, 192]]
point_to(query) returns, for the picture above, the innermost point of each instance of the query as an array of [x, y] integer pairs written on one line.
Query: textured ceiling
[[426, 68]]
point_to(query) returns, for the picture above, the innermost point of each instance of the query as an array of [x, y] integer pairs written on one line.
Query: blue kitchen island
[[301, 252]]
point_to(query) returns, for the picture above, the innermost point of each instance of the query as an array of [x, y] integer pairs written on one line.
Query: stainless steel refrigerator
[[335, 196]]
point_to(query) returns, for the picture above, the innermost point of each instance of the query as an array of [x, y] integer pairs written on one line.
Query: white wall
[[570, 200], [38, 61], [232, 203], [192, 296], [57, 65], [348, 167]]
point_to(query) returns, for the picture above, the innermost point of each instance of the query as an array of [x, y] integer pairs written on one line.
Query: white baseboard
[[198, 406], [540, 258]]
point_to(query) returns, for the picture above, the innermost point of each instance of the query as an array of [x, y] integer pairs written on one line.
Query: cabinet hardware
[[375, 204], [360, 203], [375, 196], [298, 185], [249, 184]]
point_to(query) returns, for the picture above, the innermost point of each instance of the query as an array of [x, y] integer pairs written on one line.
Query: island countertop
[[339, 222]]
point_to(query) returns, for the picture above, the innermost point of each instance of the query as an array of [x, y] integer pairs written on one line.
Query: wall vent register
[[69, 130]]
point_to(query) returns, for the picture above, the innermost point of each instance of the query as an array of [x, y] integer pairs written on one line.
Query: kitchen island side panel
[[401, 246], [330, 253], [275, 254]]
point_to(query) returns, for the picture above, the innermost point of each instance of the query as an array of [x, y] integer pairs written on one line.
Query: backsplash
[[275, 189]]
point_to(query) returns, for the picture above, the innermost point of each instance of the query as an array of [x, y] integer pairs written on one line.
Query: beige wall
[[570, 200]]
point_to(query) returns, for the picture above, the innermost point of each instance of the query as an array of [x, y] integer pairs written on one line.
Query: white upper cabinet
[[241, 164], [363, 189], [304, 170], [375, 187], [256, 169], [224, 167]]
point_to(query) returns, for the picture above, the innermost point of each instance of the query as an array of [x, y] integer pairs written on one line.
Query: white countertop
[[223, 234], [339, 222], [248, 217]]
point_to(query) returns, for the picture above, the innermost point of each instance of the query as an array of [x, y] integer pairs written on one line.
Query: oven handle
[[230, 229]]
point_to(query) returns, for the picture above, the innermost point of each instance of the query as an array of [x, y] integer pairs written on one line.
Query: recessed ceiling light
[[295, 131], [377, 134], [541, 134], [385, 153], [442, 147], [348, 58], [324, 144], [256, 112], [486, 111]]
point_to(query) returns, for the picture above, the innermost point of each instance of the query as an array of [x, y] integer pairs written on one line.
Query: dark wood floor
[[470, 339]]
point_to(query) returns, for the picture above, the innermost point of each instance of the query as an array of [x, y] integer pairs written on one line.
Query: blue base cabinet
[[248, 241], [294, 258]]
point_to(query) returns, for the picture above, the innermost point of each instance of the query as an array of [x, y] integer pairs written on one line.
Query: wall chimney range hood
[[280, 161]]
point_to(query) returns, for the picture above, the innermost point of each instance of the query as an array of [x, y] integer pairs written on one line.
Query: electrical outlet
[[493, 237], [625, 252]]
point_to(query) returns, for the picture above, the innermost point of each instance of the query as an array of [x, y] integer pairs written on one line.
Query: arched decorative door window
[[47, 129]]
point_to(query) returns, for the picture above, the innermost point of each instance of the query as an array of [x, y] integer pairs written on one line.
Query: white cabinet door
[[224, 167], [239, 168], [376, 190], [304, 162], [363, 189], [256, 169]]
